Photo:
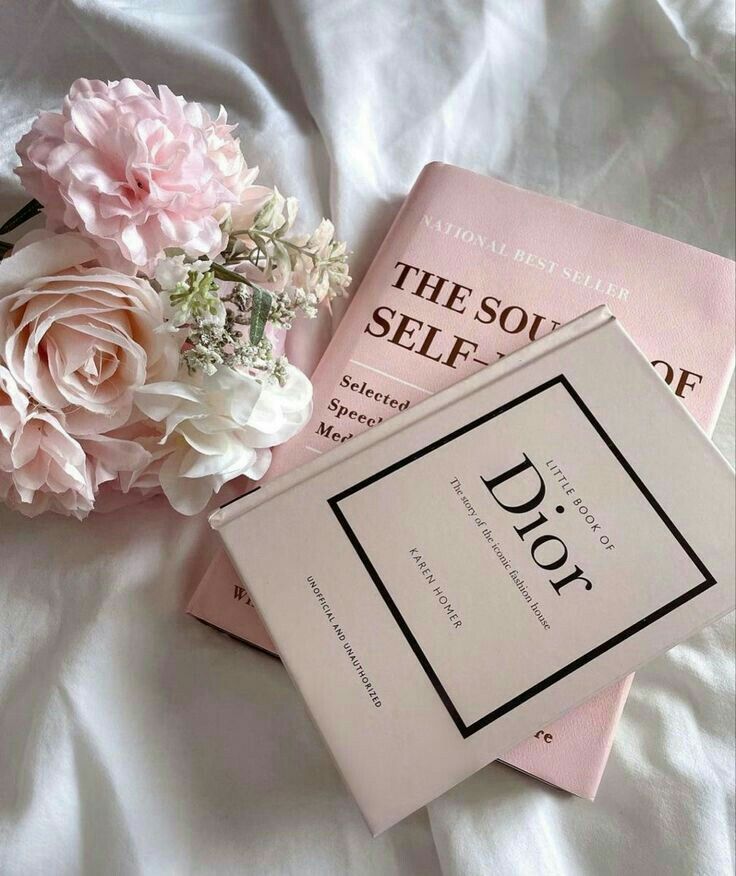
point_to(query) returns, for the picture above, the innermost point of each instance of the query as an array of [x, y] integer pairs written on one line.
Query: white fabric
[[134, 739]]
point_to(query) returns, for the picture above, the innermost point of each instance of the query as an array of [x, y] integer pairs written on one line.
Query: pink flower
[[115, 459], [225, 151], [78, 339], [13, 406], [41, 466], [137, 171], [138, 445]]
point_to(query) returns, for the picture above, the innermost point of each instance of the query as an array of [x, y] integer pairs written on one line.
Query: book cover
[[471, 569], [471, 270]]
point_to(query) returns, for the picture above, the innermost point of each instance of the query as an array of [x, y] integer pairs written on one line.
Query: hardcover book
[[469, 570], [471, 270]]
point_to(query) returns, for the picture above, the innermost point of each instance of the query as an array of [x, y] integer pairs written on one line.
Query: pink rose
[[80, 340], [41, 466], [137, 444], [136, 171], [13, 406], [49, 470]]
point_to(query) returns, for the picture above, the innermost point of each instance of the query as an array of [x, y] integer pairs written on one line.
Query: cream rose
[[77, 338]]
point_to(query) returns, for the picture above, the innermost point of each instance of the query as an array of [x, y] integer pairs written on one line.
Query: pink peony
[[79, 339], [136, 171], [225, 151]]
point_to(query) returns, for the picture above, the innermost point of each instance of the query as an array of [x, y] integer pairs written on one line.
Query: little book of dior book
[[471, 569]]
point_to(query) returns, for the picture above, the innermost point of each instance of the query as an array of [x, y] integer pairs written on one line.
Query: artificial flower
[[142, 332], [43, 468], [80, 339], [13, 406], [250, 204], [320, 267], [136, 171], [114, 459], [218, 427], [188, 292]]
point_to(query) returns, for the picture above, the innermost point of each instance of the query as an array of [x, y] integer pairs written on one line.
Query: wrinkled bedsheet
[[134, 739]]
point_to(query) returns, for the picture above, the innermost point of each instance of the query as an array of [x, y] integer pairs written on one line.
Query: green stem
[[270, 235], [28, 211], [223, 273]]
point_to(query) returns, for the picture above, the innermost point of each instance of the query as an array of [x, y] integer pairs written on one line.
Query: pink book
[[437, 591], [471, 270]]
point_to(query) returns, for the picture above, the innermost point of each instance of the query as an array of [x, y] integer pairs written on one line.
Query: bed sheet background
[[135, 740]]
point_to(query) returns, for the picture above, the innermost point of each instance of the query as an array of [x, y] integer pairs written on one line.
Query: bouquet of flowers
[[141, 333]]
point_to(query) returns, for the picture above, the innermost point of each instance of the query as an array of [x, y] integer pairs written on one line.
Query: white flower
[[277, 215], [172, 270], [252, 201], [218, 427], [189, 293], [322, 269]]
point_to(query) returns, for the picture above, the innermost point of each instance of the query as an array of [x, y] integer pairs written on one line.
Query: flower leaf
[[223, 273], [31, 209], [260, 309]]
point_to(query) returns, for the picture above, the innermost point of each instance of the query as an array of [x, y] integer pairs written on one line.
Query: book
[[471, 270], [471, 569]]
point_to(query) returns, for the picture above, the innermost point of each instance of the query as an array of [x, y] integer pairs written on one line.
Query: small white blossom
[[172, 270], [321, 267], [277, 215], [193, 298]]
